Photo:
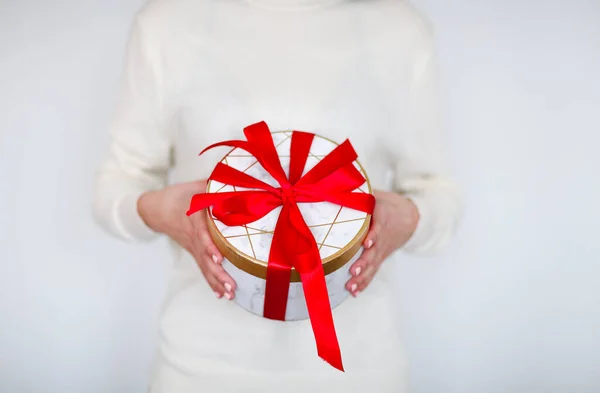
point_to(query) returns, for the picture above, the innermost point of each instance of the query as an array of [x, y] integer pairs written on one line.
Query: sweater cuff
[[128, 220], [422, 239]]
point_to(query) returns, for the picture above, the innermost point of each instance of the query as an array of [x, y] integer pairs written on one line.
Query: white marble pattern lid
[[333, 226]]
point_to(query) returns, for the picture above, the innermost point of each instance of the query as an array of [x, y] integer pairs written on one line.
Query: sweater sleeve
[[138, 159], [422, 171]]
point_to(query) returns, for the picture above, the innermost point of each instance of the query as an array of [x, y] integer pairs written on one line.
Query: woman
[[199, 71]]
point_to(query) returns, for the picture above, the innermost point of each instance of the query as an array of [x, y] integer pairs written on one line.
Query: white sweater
[[197, 72]]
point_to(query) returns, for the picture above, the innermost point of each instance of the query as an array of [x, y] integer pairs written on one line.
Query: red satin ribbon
[[333, 179]]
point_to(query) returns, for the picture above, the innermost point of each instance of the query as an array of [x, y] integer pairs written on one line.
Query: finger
[[372, 235], [222, 280], [206, 242], [218, 287], [359, 269], [366, 258], [221, 284], [212, 252], [359, 283]]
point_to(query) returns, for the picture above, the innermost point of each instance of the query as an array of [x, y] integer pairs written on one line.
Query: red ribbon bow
[[333, 179]]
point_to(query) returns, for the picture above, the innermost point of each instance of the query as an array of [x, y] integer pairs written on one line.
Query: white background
[[512, 306]]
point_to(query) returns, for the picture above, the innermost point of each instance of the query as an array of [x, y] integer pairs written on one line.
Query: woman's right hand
[[165, 210]]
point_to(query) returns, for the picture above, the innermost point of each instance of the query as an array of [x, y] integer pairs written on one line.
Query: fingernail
[[229, 296], [369, 244], [227, 287], [218, 295], [355, 294], [353, 288], [215, 259], [357, 271]]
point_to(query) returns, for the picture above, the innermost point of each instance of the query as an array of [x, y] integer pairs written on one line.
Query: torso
[[341, 71]]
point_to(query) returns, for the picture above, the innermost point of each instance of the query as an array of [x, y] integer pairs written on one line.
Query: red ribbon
[[333, 179]]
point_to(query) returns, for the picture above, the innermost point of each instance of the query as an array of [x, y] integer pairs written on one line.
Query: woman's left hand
[[393, 223]]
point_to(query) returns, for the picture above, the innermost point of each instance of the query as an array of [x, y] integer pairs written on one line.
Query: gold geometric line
[[328, 245], [337, 222], [283, 141], [232, 236], [222, 187], [250, 241], [262, 233], [316, 158], [254, 163], [258, 230], [251, 234], [329, 230]]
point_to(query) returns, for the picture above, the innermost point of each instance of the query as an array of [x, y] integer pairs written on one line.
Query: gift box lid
[[338, 231]]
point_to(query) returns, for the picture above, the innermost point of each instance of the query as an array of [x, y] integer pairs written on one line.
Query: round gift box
[[339, 233]]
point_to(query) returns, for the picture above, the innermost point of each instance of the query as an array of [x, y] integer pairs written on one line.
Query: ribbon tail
[[244, 145], [279, 269], [321, 317], [307, 261], [276, 292]]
